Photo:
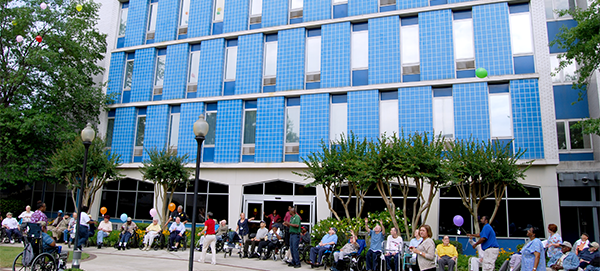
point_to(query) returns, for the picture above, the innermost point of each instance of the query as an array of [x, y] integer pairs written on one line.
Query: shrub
[[12, 205]]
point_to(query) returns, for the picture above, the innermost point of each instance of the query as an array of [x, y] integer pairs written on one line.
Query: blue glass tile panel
[[314, 123], [315, 85], [167, 20], [384, 50], [335, 55], [387, 8], [340, 11], [363, 113], [143, 75], [457, 1], [269, 89], [415, 110], [186, 143], [249, 64], [270, 128], [437, 2], [295, 21], [274, 13], [157, 98], [290, 59], [471, 111], [115, 76], [524, 64], [200, 18], [411, 78], [210, 79], [248, 158], [137, 18], [554, 29], [406, 4], [176, 71], [437, 49], [208, 154], [228, 138], [527, 118], [492, 39], [236, 17], [217, 28], [126, 96], [157, 124], [315, 10], [360, 77], [123, 134], [229, 88], [564, 97], [358, 7], [255, 26], [465, 74], [232, 42], [519, 8], [120, 42], [292, 157], [191, 95], [588, 156]]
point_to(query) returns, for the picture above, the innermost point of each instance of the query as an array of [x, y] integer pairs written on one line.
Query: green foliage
[[14, 206], [589, 126], [47, 89], [67, 166]]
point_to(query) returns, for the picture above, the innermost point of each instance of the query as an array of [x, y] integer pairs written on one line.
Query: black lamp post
[[87, 136], [200, 130]]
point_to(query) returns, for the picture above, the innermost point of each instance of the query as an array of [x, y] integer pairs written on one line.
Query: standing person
[[532, 258], [415, 243], [582, 243], [425, 250], [39, 216], [393, 248], [273, 218], [447, 254], [12, 227], [376, 241], [127, 230], [242, 227], [104, 230], [151, 232], [178, 213], [286, 218], [84, 227], [60, 228], [487, 239], [209, 239], [554, 242], [294, 226]]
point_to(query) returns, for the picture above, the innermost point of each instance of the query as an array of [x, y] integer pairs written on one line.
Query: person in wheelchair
[[260, 235], [48, 243], [177, 230], [127, 230], [351, 247], [151, 232], [327, 243], [393, 248], [270, 242], [374, 251], [222, 230], [11, 225]]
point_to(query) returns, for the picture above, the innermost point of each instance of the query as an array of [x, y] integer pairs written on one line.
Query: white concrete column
[[433, 218], [235, 204], [322, 207], [95, 208], [550, 202], [159, 204]]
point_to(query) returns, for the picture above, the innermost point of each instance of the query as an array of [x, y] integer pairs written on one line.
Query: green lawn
[[8, 254]]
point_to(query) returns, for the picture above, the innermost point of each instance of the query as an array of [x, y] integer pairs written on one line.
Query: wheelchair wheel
[[44, 262], [18, 263], [219, 246], [282, 251]]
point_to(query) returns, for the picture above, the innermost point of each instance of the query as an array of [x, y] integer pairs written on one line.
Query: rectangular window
[[174, 127], [360, 54], [211, 119], [566, 75], [110, 128], [230, 62], [443, 113], [270, 66], [184, 16], [336, 2], [255, 12], [128, 75], [313, 57], [218, 11], [193, 68], [159, 72], [292, 129], [464, 47], [338, 117], [249, 139], [138, 148], [409, 46], [521, 33], [387, 5], [340, 9], [296, 11], [571, 138], [555, 5], [123, 19], [500, 111], [388, 113], [152, 12]]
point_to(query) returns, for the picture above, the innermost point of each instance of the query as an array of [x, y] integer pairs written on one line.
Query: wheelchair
[[303, 251], [133, 242], [159, 242], [49, 260], [182, 243], [232, 241], [218, 244], [273, 252]]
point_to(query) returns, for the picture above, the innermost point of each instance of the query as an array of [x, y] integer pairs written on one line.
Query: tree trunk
[[389, 201], [328, 199]]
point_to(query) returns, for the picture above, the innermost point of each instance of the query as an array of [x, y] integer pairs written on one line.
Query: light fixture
[[201, 126], [88, 134]]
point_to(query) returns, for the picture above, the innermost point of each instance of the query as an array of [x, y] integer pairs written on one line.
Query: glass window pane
[[569, 72], [313, 54], [109, 132], [443, 117], [500, 115], [219, 6], [388, 117], [128, 75], [230, 68], [553, 66], [339, 1], [338, 121], [409, 44], [463, 39], [578, 139], [211, 118], [194, 67], [271, 59], [141, 126], [250, 127], [185, 12], [174, 131], [152, 19], [549, 9], [564, 4], [360, 49], [562, 137], [292, 125], [296, 4], [256, 7], [123, 22], [159, 76], [520, 33]]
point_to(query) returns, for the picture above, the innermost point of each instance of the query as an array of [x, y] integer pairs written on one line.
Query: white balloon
[[19, 38], [43, 5]]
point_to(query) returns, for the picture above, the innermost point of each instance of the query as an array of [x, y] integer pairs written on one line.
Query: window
[[230, 67], [152, 12], [174, 127], [388, 113], [127, 77], [184, 16], [521, 33], [159, 73], [464, 47], [387, 5], [571, 138], [360, 54], [566, 75], [555, 5], [338, 117], [255, 12], [193, 69], [218, 12], [340, 9], [296, 11], [292, 129], [313, 58], [138, 148], [249, 139], [209, 141], [123, 19], [110, 128], [443, 113], [500, 111], [409, 47], [270, 68], [336, 2]]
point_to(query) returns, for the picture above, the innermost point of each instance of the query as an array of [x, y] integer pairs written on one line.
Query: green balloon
[[481, 73]]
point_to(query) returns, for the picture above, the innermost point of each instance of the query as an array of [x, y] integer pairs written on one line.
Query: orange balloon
[[171, 207], [103, 210]]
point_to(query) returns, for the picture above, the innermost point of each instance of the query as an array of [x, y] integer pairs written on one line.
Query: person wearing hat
[[104, 230], [12, 227], [588, 254], [58, 230], [376, 248], [127, 230], [564, 260], [261, 233], [327, 242], [582, 243]]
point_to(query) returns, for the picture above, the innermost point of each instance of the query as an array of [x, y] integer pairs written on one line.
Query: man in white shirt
[[393, 246], [84, 228], [12, 227], [260, 235], [177, 230]]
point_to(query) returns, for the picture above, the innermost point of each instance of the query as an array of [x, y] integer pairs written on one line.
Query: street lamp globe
[[88, 134], [201, 126]]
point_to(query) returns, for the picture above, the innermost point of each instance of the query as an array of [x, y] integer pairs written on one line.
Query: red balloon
[[38, 38]]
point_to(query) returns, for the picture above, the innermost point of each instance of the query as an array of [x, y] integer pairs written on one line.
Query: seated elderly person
[[447, 254], [261, 233], [104, 230], [594, 265], [56, 227], [11, 225], [271, 240], [59, 230], [564, 260], [48, 243], [151, 232], [327, 243], [177, 230], [127, 230], [222, 230], [588, 254], [375, 248], [349, 248]]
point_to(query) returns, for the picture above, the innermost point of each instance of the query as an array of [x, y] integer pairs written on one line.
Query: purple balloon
[[458, 220]]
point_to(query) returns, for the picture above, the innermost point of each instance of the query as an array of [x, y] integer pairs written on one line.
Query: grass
[[8, 254]]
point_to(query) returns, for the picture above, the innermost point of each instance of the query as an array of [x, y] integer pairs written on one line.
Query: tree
[[47, 91], [484, 169], [582, 43], [66, 165], [167, 170]]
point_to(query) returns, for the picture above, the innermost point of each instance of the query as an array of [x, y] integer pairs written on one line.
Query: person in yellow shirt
[[151, 232], [447, 254]]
